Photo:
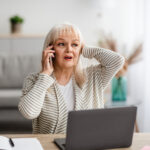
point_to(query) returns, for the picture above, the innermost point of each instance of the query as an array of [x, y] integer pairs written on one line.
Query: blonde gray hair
[[54, 34]]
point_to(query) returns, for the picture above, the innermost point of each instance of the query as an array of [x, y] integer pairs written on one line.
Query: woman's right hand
[[47, 65]]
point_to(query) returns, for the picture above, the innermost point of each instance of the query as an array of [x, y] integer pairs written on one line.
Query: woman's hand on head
[[47, 64]]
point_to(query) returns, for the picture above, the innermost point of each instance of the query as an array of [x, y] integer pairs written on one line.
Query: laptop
[[99, 129]]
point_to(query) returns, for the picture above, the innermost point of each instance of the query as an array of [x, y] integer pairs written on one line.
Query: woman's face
[[67, 50]]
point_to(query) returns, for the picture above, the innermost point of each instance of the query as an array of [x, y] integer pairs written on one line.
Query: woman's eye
[[75, 45], [61, 44]]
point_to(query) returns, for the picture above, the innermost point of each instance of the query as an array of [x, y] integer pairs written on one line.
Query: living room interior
[[120, 25]]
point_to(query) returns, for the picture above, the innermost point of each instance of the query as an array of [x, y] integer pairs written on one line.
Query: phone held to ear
[[51, 59]]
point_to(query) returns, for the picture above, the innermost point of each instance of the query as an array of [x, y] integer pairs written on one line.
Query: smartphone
[[52, 58]]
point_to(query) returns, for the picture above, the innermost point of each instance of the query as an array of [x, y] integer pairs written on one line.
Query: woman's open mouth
[[68, 57]]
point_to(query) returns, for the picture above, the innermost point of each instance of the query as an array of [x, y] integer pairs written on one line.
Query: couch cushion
[[14, 68], [10, 97]]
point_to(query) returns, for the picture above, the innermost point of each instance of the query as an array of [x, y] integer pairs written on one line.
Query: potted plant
[[16, 22]]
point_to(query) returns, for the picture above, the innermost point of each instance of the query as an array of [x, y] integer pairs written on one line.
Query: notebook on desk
[[19, 144], [99, 129]]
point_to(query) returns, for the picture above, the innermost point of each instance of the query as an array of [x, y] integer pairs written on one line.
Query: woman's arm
[[110, 62], [33, 95]]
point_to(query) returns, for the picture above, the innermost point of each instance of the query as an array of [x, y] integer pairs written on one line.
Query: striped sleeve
[[33, 94], [110, 62]]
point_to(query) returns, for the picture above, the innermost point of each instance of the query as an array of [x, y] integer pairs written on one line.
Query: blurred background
[[120, 25]]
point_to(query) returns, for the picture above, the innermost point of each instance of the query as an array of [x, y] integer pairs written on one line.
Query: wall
[[40, 16], [146, 77]]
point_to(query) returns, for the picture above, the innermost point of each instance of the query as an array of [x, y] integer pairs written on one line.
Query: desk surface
[[139, 140]]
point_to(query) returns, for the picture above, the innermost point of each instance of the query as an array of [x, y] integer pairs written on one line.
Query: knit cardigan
[[48, 109]]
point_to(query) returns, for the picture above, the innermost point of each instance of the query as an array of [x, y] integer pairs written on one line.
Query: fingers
[[47, 64], [48, 50], [45, 52], [47, 55], [49, 58], [50, 55], [46, 58]]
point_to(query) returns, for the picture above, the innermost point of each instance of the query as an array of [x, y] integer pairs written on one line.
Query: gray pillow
[[14, 68]]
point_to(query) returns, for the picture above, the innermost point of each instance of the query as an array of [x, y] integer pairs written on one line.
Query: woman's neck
[[63, 75]]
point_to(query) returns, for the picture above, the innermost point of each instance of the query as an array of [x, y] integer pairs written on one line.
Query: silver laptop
[[99, 129]]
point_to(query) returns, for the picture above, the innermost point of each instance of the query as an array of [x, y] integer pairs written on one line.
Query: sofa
[[13, 70]]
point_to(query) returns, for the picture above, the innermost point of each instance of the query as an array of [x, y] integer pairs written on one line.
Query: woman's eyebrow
[[75, 40]]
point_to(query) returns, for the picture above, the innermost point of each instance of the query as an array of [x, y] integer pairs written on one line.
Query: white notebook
[[20, 144]]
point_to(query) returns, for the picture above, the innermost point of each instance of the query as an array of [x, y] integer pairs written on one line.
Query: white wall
[[124, 18], [40, 16], [146, 77]]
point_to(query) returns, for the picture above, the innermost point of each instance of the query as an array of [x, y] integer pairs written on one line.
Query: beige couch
[[13, 69]]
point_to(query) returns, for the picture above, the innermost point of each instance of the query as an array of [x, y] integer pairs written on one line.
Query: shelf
[[3, 36]]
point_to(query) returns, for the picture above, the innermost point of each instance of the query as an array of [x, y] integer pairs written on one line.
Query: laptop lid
[[100, 128]]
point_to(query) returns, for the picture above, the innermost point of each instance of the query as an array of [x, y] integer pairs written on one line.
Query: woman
[[62, 85]]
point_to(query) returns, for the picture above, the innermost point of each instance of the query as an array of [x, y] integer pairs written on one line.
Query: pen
[[11, 142]]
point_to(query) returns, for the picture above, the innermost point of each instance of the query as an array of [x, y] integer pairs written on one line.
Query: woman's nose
[[68, 48]]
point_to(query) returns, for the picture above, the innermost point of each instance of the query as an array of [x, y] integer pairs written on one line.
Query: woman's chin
[[68, 65]]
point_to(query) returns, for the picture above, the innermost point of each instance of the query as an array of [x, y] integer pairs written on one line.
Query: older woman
[[62, 85]]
